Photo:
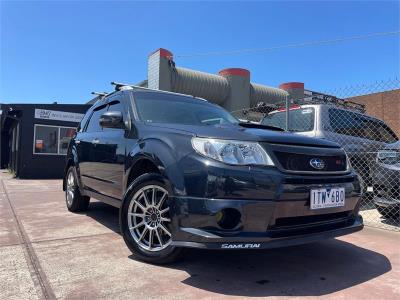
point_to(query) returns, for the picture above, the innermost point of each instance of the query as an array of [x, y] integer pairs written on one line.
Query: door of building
[[14, 148]]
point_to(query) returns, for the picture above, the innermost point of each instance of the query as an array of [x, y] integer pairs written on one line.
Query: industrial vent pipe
[[211, 87], [263, 93], [294, 89]]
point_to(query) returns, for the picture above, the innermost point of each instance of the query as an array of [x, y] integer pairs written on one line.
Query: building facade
[[384, 106], [34, 137]]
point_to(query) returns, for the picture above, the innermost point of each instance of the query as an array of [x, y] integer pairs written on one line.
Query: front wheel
[[145, 220]]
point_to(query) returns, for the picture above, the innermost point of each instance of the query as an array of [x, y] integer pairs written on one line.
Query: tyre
[[145, 220], [388, 213], [73, 198]]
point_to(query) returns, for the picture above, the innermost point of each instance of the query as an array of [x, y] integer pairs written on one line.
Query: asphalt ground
[[47, 252]]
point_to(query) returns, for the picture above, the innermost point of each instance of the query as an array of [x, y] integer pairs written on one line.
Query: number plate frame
[[327, 197]]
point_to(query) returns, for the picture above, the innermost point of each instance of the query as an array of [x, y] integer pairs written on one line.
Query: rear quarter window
[[357, 125]]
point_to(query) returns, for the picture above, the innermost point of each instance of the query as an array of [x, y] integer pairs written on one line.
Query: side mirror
[[112, 119]]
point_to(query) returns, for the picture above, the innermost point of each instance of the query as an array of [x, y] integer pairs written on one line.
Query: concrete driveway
[[47, 252]]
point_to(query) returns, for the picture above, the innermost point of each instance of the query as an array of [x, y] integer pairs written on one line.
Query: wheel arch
[[72, 160], [154, 156], [142, 165]]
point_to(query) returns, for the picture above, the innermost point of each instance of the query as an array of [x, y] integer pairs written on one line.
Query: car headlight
[[232, 152], [348, 163], [388, 157]]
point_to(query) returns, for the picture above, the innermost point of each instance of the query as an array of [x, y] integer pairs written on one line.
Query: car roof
[[137, 89], [393, 146], [331, 106], [161, 92]]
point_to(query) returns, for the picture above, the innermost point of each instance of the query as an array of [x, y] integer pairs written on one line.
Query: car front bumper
[[197, 225], [387, 203], [386, 180], [253, 208], [266, 242]]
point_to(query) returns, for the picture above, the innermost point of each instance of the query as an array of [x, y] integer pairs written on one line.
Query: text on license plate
[[327, 197]]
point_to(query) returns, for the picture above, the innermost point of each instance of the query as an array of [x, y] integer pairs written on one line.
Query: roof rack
[[347, 104], [119, 86], [101, 94], [262, 108], [319, 98]]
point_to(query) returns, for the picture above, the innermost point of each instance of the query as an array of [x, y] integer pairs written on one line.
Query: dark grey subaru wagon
[[186, 173]]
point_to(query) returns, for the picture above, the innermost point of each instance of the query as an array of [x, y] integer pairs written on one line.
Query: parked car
[[386, 180], [359, 134], [186, 173]]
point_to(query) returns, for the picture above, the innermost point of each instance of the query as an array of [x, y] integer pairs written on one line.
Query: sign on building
[[58, 115]]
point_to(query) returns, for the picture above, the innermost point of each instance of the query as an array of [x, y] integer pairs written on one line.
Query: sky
[[61, 51]]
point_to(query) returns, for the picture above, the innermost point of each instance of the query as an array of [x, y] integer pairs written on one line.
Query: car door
[[109, 152], [345, 128], [81, 146], [87, 149]]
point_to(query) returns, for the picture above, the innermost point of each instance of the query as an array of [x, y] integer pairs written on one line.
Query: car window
[[83, 122], [386, 134], [347, 123], [300, 119], [115, 106], [354, 124], [93, 124], [176, 109]]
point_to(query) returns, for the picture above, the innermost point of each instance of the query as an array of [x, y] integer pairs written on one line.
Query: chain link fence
[[365, 121]]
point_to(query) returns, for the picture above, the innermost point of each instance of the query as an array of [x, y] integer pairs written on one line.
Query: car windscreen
[[169, 108], [300, 119]]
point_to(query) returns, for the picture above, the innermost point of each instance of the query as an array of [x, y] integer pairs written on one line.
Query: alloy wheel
[[148, 218], [70, 188]]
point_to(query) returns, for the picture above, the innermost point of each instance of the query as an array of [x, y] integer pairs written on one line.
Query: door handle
[[96, 141]]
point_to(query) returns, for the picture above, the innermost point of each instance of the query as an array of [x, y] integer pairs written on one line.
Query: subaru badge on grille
[[317, 163]]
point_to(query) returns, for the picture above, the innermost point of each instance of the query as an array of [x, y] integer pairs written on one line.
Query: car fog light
[[228, 218]]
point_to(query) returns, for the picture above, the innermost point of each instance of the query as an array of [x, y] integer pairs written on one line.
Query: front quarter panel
[[165, 150], [72, 159]]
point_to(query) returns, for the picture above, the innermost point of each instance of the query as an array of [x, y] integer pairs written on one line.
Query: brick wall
[[385, 106]]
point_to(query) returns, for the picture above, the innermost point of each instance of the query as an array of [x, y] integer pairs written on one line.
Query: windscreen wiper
[[259, 126]]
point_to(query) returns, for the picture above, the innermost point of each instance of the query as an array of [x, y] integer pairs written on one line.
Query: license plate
[[328, 197]]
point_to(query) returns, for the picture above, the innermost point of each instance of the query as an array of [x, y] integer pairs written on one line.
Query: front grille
[[317, 179], [292, 226], [307, 220], [301, 162]]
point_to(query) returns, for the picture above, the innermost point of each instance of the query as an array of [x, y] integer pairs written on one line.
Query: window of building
[[65, 136], [52, 139]]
